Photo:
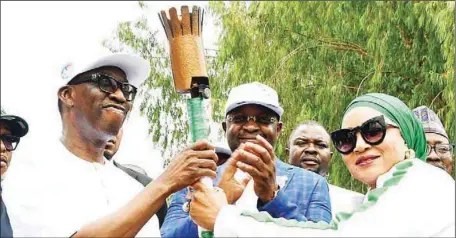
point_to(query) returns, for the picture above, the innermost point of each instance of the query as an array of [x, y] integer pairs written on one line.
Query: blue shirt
[[305, 197], [5, 225]]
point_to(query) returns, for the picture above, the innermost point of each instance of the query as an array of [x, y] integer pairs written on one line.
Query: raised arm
[[187, 168]]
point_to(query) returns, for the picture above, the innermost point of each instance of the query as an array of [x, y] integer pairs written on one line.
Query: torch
[[189, 71]]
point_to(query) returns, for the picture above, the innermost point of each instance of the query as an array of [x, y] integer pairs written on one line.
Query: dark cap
[[15, 124]]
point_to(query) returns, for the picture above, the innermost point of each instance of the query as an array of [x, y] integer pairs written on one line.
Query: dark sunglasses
[[373, 132], [108, 84], [10, 141], [241, 119]]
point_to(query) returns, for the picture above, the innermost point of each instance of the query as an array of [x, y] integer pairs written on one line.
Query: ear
[[65, 95], [279, 127], [287, 151], [330, 154], [224, 126]]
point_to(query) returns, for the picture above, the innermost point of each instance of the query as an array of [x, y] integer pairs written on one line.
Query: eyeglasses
[[440, 149], [373, 132], [10, 141], [108, 84], [241, 119]]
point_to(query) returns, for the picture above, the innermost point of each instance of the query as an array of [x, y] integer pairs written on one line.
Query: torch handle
[[199, 129]]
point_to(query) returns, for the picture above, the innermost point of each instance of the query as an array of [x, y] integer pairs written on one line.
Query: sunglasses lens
[[344, 141], [128, 91], [373, 132], [10, 142], [108, 85]]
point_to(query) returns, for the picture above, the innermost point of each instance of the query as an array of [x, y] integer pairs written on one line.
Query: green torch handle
[[199, 129]]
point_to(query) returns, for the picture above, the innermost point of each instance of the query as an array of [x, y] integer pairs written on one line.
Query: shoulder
[[299, 175], [422, 172], [282, 166], [339, 191]]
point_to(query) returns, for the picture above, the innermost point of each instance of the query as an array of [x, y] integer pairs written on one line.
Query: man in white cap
[[439, 149], [75, 191], [252, 126]]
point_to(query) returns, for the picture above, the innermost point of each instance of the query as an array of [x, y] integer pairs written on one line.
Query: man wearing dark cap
[[12, 128], [439, 149]]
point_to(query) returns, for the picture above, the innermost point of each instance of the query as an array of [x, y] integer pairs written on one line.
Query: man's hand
[[206, 204], [257, 159], [230, 185], [189, 166]]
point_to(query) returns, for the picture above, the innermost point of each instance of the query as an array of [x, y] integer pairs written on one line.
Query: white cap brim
[[135, 68], [277, 110]]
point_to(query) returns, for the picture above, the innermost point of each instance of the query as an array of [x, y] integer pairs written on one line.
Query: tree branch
[[362, 81]]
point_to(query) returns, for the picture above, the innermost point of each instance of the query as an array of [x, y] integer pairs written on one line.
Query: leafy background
[[317, 55]]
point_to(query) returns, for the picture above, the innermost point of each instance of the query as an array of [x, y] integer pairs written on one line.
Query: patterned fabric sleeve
[[320, 204]]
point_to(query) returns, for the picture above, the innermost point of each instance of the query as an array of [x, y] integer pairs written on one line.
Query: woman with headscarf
[[383, 145]]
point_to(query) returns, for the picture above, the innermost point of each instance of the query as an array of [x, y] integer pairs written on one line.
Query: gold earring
[[409, 153]]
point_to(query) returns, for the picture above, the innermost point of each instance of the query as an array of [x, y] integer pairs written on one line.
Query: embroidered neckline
[[397, 173]]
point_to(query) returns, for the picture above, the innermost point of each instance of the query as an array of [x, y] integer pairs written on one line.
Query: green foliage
[[163, 107], [321, 55], [317, 55]]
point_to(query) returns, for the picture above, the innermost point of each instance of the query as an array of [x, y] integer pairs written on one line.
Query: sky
[[38, 38]]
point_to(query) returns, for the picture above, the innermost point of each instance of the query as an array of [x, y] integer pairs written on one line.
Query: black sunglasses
[[10, 141], [241, 119], [373, 132], [108, 84]]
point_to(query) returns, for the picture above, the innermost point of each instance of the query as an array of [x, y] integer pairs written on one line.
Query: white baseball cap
[[136, 68], [253, 93]]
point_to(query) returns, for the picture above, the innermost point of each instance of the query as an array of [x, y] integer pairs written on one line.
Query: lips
[[366, 160], [311, 161], [247, 139], [115, 107], [438, 165], [109, 145], [3, 162], [250, 137]]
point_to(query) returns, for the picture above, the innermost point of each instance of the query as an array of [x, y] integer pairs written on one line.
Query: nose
[[251, 126], [433, 157], [118, 96], [361, 145], [310, 149], [2, 147]]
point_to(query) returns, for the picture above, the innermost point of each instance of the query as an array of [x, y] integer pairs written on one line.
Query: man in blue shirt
[[252, 126], [12, 128]]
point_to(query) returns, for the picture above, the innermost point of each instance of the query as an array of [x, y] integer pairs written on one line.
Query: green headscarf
[[393, 108]]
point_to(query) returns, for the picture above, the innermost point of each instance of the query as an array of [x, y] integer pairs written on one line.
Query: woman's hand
[[206, 204], [231, 185]]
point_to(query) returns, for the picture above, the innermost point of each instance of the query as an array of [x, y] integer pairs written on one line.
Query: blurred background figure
[[309, 148], [12, 128], [439, 149]]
